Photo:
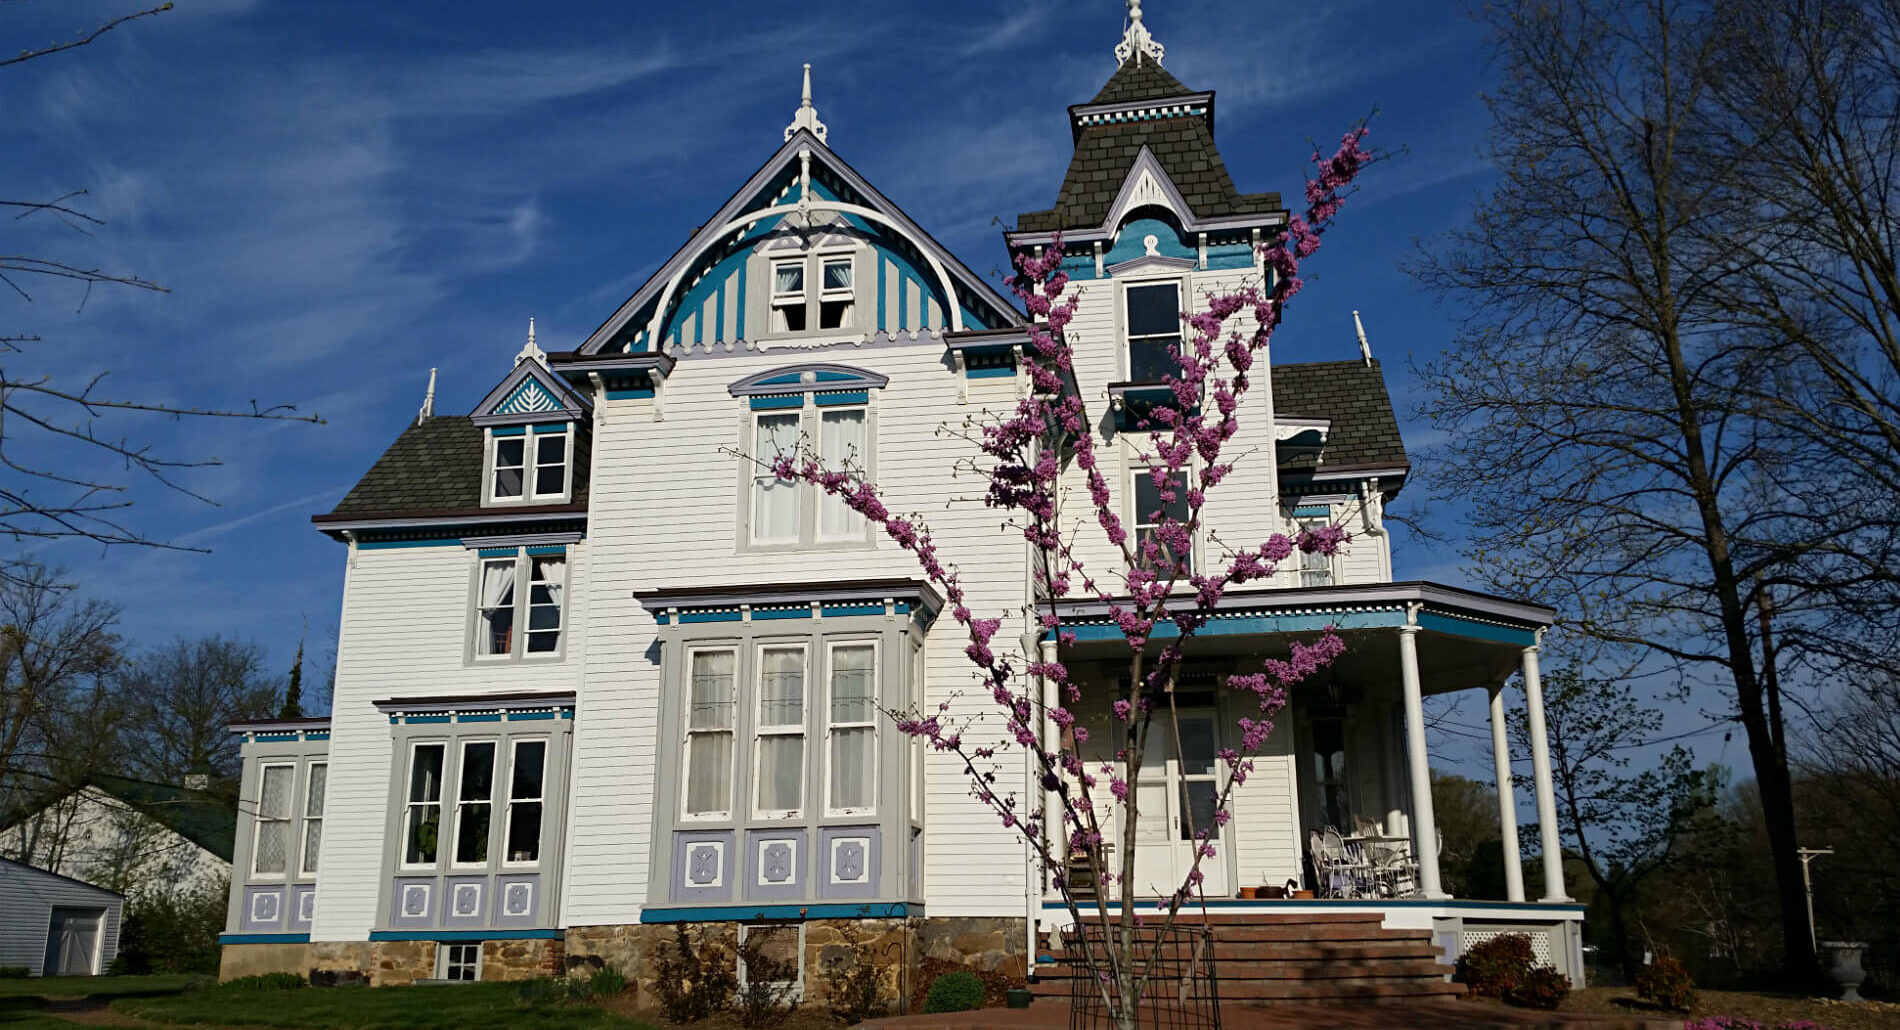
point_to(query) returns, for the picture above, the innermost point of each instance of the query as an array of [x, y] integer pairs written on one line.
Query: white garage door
[[72, 941]]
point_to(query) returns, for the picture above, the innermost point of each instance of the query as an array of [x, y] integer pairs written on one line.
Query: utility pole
[[1808, 855]]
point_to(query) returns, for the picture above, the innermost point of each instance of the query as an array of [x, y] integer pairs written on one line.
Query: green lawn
[[24, 1003], [489, 1006]]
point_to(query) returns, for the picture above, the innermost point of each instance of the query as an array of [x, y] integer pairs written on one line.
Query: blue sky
[[341, 195]]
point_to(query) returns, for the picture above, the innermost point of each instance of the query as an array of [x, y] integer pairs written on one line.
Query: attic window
[[834, 305], [528, 463], [788, 297], [793, 299]]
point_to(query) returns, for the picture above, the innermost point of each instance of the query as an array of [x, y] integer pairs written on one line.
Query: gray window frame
[[810, 422], [523, 605]]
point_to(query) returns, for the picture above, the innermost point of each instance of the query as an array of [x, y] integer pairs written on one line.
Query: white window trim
[[508, 788], [258, 821], [918, 694], [523, 606], [819, 497], [797, 985], [849, 295], [461, 763], [760, 731], [443, 963], [529, 451], [303, 837], [1299, 566], [761, 475], [408, 779], [1124, 357], [687, 732], [1136, 515], [810, 519], [832, 647]]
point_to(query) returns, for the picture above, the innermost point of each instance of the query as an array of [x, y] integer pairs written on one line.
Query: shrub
[[1666, 983], [770, 992], [264, 982], [1492, 969], [608, 982], [692, 981], [854, 984], [15, 972], [172, 931], [956, 991], [1541, 987]]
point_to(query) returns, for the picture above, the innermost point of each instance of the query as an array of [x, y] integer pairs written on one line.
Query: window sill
[[794, 546]]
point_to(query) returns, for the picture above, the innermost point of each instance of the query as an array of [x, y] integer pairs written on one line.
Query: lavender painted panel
[[777, 865], [703, 865], [264, 908], [303, 906], [848, 860], [465, 901], [412, 902], [517, 899]]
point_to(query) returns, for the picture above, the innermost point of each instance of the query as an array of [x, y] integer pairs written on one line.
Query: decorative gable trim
[[531, 393], [809, 378]]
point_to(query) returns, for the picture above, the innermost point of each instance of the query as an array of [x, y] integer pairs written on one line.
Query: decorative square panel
[[267, 907], [303, 907], [702, 865], [414, 903], [706, 863], [778, 861], [850, 860], [517, 900], [465, 902], [517, 896]]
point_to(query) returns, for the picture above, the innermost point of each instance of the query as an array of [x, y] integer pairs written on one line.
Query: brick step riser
[[1372, 992], [1151, 917], [1306, 953], [1242, 970]]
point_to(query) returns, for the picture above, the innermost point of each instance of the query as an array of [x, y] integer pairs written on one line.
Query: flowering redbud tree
[[1030, 458]]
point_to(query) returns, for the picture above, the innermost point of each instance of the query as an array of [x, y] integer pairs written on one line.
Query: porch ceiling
[[1465, 639]]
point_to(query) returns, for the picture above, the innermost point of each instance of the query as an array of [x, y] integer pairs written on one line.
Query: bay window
[[474, 807], [270, 853], [851, 732], [781, 732], [527, 778], [422, 818], [520, 587], [1152, 320], [712, 682], [313, 816]]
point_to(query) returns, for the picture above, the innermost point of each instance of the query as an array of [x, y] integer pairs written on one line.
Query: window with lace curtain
[[785, 512], [270, 852], [780, 755], [851, 728], [520, 605]]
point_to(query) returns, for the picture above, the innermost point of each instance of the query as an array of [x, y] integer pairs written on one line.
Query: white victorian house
[[598, 675]]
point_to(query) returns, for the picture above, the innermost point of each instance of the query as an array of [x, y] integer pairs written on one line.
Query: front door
[[1175, 800]]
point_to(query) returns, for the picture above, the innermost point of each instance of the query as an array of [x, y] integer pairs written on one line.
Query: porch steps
[[1276, 958]]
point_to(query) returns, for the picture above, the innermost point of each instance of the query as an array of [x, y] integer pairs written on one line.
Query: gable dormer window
[[788, 296], [528, 463], [835, 302], [1152, 317], [794, 300]]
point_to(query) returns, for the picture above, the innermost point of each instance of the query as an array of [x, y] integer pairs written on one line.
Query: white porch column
[[1507, 801], [1052, 828], [1424, 825], [1540, 775]]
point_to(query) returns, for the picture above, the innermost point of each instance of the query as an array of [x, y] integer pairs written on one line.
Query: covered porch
[[1339, 802]]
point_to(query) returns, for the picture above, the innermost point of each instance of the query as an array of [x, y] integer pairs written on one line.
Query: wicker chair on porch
[[1341, 869]]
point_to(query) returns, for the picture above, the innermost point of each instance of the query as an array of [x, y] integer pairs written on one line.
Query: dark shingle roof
[[1364, 432], [1141, 79], [199, 817], [436, 467]]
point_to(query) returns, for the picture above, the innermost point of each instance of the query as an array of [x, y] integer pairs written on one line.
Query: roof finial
[[807, 116], [529, 350], [428, 402], [1365, 346], [1136, 42]]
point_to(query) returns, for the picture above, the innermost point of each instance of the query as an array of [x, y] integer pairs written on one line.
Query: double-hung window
[[1152, 318], [851, 730], [835, 295], [527, 779], [422, 815], [1316, 569], [788, 296], [474, 802], [519, 589], [710, 706], [275, 797], [780, 757], [528, 463], [775, 501], [793, 298], [313, 816], [841, 445], [1151, 507]]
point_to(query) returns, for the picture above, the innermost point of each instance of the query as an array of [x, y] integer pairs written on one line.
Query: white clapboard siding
[[403, 633], [27, 899]]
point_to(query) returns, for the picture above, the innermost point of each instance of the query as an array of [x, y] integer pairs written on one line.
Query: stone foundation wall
[[237, 960], [397, 963], [990, 943], [521, 960]]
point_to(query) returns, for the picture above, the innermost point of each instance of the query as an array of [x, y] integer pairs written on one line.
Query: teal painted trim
[[1462, 627], [419, 719], [686, 617], [549, 428], [1242, 625], [383, 545], [508, 431], [467, 935], [548, 549], [903, 301], [780, 613], [263, 938], [882, 263], [841, 910], [997, 372], [321, 735], [828, 400], [1309, 511], [719, 310], [851, 609], [826, 375], [530, 716], [775, 401], [788, 379], [276, 736], [663, 619], [739, 331], [496, 552], [483, 717], [640, 394], [903, 607]]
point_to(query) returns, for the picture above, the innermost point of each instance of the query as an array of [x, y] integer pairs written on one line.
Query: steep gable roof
[[1139, 80], [1352, 394]]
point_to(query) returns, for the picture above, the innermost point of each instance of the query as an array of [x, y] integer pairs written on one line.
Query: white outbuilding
[[54, 925]]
